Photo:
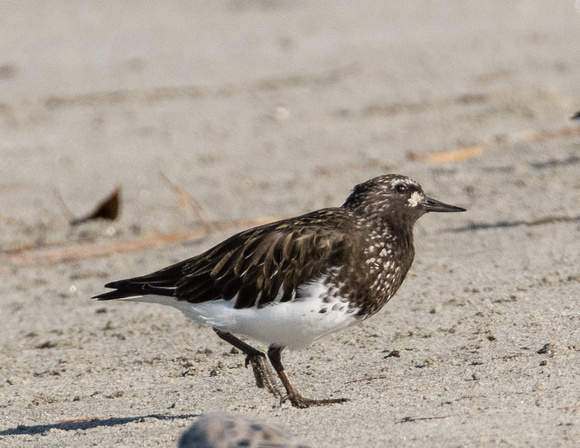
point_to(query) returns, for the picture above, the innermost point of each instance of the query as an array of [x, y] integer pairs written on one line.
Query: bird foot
[[263, 373], [298, 401]]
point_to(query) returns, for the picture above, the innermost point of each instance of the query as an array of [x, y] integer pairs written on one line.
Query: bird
[[291, 282]]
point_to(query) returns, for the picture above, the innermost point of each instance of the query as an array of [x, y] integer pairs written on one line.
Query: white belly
[[295, 324]]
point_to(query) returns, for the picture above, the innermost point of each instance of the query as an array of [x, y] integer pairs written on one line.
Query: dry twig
[[531, 135], [187, 202], [87, 419], [84, 252], [370, 378], [447, 156]]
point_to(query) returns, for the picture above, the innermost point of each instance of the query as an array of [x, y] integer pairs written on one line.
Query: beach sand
[[267, 109]]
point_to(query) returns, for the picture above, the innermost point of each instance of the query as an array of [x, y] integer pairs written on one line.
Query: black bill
[[433, 205]]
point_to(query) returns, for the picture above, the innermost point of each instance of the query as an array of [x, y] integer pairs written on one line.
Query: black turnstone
[[294, 281]]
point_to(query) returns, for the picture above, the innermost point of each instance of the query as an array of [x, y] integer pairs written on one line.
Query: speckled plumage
[[291, 282]]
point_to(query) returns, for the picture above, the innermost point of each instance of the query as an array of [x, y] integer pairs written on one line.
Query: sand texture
[[262, 109]]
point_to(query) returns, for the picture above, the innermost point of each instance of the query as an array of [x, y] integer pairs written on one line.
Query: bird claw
[[263, 374]]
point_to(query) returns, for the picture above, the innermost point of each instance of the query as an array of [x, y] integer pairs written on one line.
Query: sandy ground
[[274, 108]]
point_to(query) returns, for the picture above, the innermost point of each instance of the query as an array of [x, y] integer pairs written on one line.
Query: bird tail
[[159, 283], [117, 295]]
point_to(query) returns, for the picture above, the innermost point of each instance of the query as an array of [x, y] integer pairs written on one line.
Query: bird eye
[[401, 188]]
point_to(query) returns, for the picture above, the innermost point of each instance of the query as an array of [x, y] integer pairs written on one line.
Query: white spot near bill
[[415, 199]]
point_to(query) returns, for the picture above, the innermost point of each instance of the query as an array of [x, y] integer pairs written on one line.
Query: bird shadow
[[89, 424], [517, 223]]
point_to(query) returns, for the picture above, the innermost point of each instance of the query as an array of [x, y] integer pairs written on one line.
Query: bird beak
[[432, 205]]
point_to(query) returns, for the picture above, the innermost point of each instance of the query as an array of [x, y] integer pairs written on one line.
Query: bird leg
[[293, 395], [262, 371]]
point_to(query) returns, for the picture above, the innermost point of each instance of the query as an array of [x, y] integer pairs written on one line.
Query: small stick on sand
[[41, 257], [447, 156]]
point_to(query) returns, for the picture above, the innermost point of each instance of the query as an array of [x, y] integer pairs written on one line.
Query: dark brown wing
[[256, 267], [267, 263]]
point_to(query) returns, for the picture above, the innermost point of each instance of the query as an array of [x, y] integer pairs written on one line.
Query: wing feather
[[256, 267], [266, 264]]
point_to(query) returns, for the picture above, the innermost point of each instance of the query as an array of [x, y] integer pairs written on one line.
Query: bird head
[[394, 198]]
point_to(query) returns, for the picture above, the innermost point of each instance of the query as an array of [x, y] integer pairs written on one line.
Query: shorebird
[[291, 282]]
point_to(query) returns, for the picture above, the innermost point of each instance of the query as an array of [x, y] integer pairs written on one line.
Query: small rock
[[393, 354], [540, 386], [47, 344], [225, 430], [551, 279], [548, 349]]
